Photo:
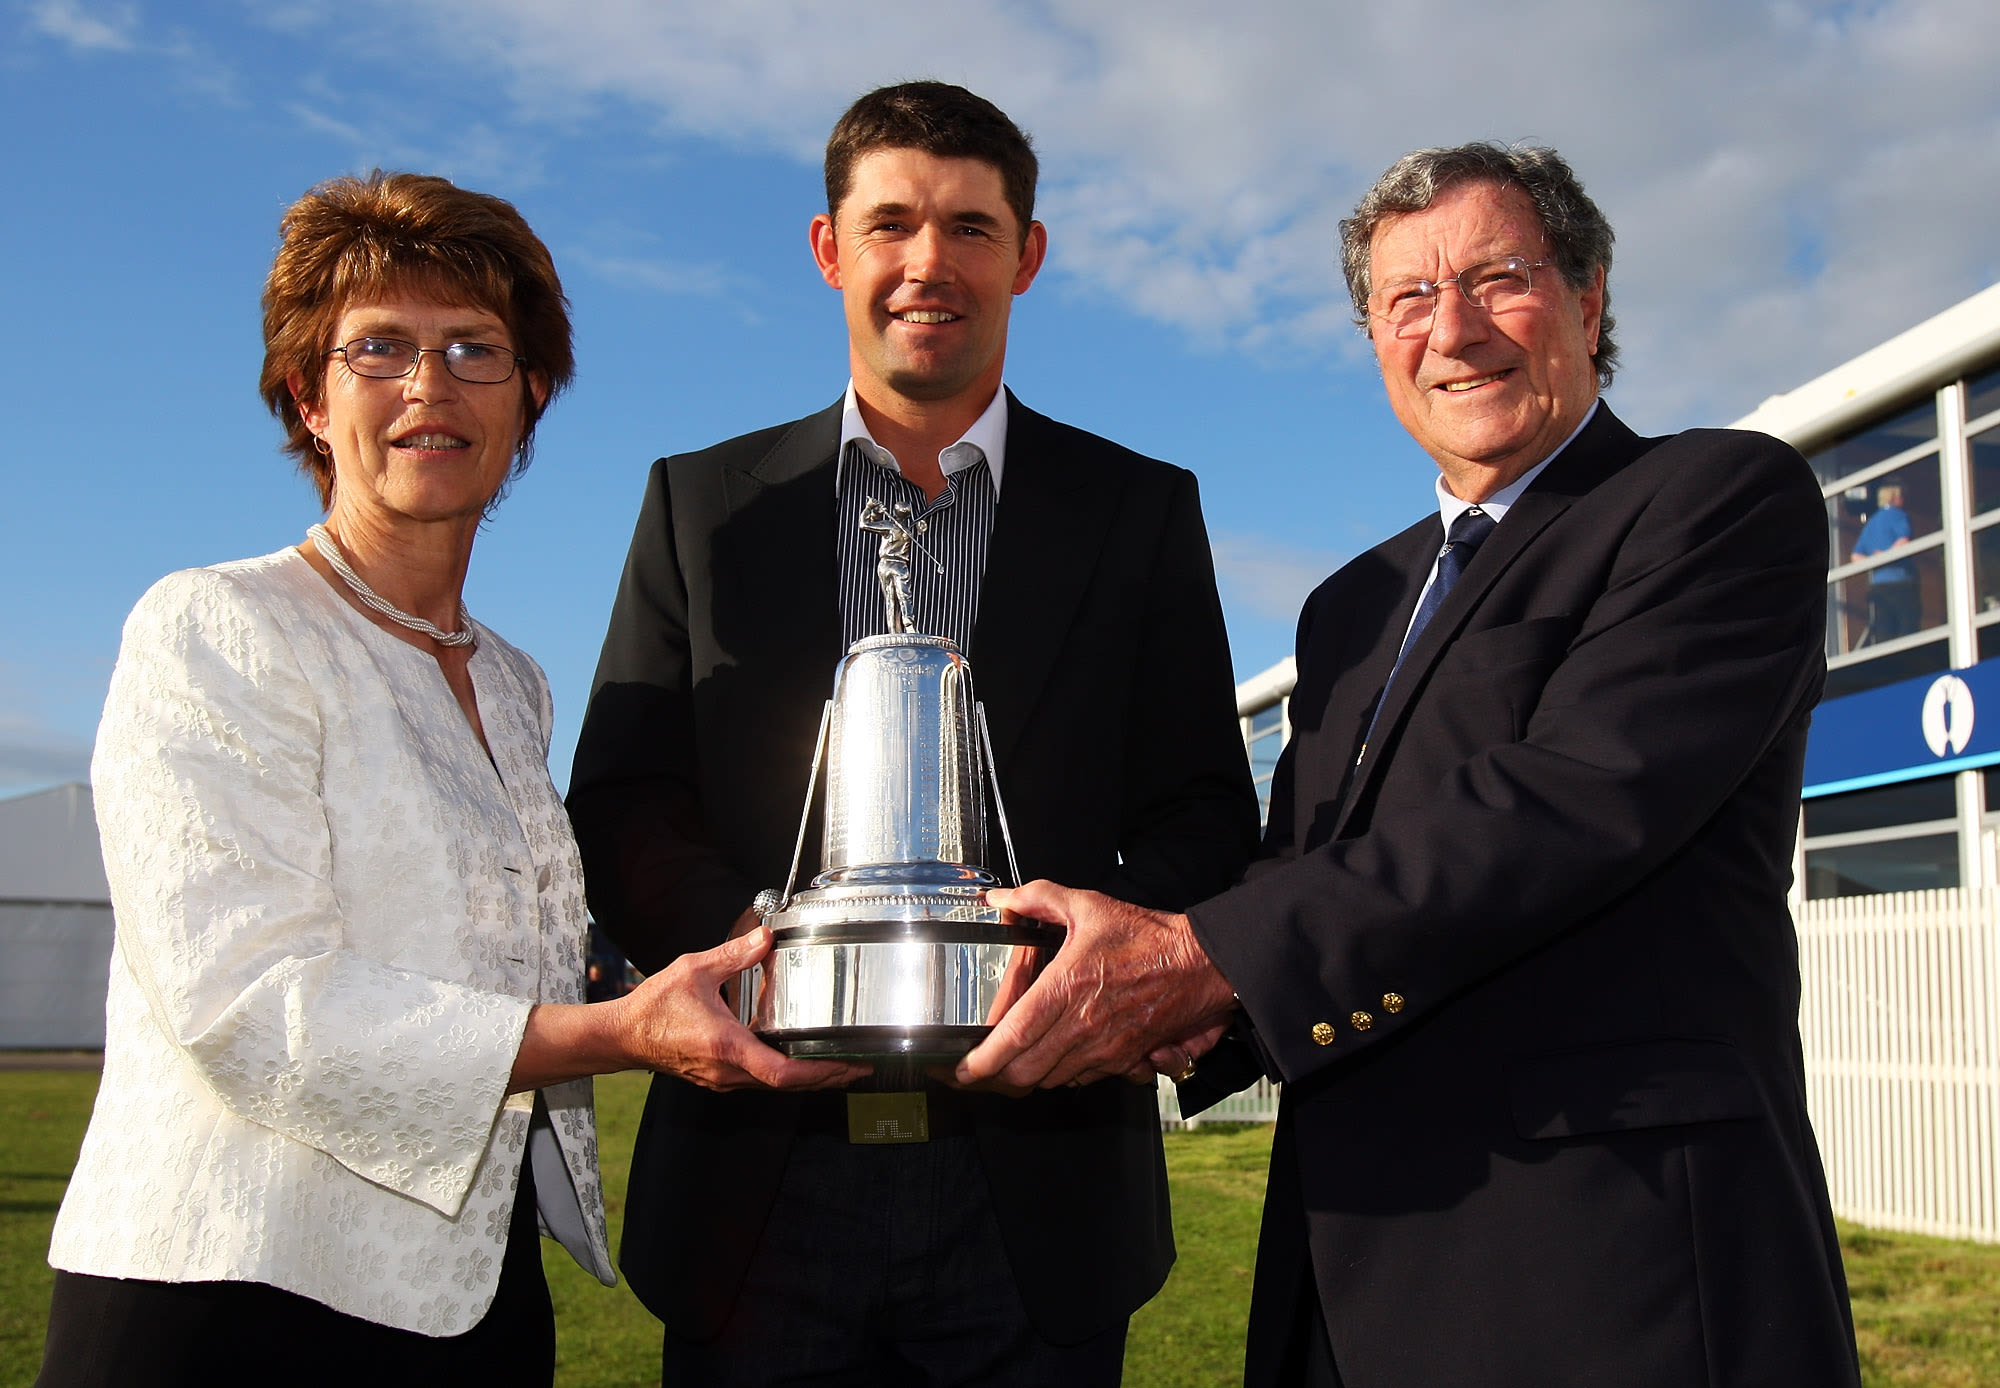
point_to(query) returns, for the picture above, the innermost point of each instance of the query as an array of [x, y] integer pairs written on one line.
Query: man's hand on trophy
[[1128, 984], [1017, 976], [1176, 1058], [676, 1023]]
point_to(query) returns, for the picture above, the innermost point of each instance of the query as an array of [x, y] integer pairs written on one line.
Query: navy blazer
[[1526, 965], [1100, 654]]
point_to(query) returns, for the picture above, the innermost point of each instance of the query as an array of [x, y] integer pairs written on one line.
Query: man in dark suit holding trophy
[[1518, 943], [773, 1241]]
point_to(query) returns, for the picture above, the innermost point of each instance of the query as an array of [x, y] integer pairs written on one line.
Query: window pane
[[1266, 741], [1908, 802], [1986, 569], [1264, 749], [1888, 601], [1930, 659], [1871, 445], [1985, 470], [1982, 394], [1900, 865], [1906, 504]]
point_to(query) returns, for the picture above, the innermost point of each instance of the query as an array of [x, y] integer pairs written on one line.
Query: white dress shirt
[[987, 439], [334, 913], [1450, 508]]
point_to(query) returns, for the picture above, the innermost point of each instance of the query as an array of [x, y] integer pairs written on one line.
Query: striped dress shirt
[[948, 559]]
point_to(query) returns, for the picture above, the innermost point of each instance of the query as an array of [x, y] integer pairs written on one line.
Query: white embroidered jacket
[[333, 914]]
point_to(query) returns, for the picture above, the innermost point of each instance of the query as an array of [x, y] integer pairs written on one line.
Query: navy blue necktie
[[1468, 533]]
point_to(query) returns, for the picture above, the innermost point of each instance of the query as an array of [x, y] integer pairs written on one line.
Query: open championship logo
[[1948, 715]]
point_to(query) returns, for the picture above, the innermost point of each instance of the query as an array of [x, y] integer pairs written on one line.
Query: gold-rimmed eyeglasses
[[390, 358], [1408, 306]]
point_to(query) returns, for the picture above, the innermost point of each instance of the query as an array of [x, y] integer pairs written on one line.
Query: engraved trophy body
[[892, 951]]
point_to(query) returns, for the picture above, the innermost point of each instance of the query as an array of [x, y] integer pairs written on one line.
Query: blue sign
[[1927, 726]]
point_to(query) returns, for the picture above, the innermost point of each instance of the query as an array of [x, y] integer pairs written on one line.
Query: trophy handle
[[805, 815], [993, 776]]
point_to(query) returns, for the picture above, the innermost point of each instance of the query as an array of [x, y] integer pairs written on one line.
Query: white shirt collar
[[1450, 508], [987, 438]]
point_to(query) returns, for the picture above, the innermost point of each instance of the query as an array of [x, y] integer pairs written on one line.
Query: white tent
[[55, 922]]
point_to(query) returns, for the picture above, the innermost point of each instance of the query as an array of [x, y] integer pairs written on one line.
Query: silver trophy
[[892, 951]]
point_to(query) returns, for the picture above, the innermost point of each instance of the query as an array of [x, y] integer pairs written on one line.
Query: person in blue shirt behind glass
[[1895, 606]]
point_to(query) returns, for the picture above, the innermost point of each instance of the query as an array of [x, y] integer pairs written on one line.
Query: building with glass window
[[1902, 765]]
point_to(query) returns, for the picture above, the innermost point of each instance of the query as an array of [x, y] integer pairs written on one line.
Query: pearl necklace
[[323, 541]]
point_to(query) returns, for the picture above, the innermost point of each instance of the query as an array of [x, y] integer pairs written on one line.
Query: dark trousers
[[1894, 609], [1309, 1355], [882, 1267], [108, 1332], [1288, 1344]]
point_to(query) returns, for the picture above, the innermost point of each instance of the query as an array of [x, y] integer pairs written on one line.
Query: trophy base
[[918, 1045], [919, 975]]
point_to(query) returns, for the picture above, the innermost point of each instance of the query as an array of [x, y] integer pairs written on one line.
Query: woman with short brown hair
[[347, 1054]]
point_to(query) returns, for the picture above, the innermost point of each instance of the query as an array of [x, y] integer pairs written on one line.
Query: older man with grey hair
[[1518, 941]]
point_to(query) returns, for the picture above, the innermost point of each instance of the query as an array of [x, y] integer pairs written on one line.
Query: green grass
[[1190, 1336], [1927, 1311], [604, 1337], [42, 1116]]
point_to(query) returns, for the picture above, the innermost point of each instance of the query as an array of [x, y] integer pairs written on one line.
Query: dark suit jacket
[[1100, 654], [1557, 1132]]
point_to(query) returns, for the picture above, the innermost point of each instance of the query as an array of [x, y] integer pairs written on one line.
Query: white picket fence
[[1901, 1023], [1257, 1104]]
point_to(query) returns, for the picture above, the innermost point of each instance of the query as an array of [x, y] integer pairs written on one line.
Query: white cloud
[[1792, 181], [661, 276], [115, 28], [122, 29], [32, 752], [471, 153], [29, 763], [1265, 577]]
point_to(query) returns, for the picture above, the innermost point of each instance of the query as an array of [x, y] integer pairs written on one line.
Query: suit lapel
[[1055, 507], [782, 509], [1604, 446], [1400, 585], [1344, 661]]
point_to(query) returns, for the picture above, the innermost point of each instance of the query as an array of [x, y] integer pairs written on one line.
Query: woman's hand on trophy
[[947, 1074], [678, 1023], [1128, 983], [733, 985]]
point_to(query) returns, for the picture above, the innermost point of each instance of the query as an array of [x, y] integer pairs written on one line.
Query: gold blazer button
[[1323, 1033], [1361, 1021]]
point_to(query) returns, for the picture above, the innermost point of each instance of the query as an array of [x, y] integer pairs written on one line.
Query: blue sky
[[1791, 183]]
